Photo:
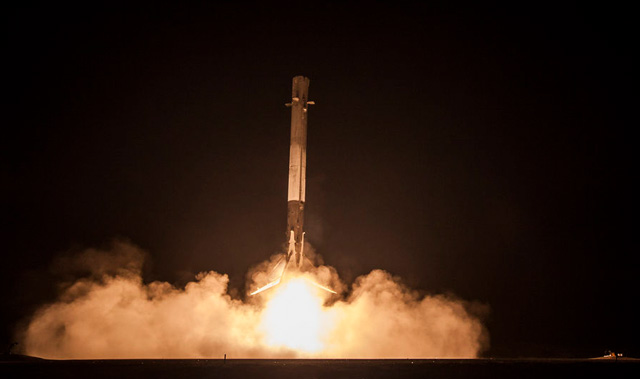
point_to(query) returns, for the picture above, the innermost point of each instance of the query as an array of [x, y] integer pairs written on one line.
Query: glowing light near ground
[[114, 314], [294, 317]]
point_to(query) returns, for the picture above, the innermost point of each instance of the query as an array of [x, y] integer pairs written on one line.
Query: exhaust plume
[[110, 312]]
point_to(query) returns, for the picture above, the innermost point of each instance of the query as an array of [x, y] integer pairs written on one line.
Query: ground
[[334, 369]]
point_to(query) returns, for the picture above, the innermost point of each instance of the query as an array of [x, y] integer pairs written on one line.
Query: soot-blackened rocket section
[[297, 169]]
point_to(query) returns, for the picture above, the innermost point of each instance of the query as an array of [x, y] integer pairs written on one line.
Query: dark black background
[[481, 151]]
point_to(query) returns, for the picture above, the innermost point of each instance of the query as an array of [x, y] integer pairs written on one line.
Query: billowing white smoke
[[112, 313]]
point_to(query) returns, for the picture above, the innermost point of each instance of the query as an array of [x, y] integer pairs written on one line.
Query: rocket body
[[294, 258], [297, 170]]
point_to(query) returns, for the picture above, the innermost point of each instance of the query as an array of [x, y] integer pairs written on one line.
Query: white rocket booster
[[294, 257], [297, 170]]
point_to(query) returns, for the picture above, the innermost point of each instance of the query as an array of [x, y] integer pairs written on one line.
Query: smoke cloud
[[111, 313]]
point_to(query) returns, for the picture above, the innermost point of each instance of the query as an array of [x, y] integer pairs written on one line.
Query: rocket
[[297, 170], [294, 258]]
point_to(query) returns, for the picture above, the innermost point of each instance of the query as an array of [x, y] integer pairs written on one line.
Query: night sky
[[483, 152]]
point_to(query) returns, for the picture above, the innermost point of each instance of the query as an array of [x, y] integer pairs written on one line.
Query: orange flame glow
[[295, 318], [114, 314]]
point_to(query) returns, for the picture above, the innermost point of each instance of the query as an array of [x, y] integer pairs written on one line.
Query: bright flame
[[113, 313], [294, 317]]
